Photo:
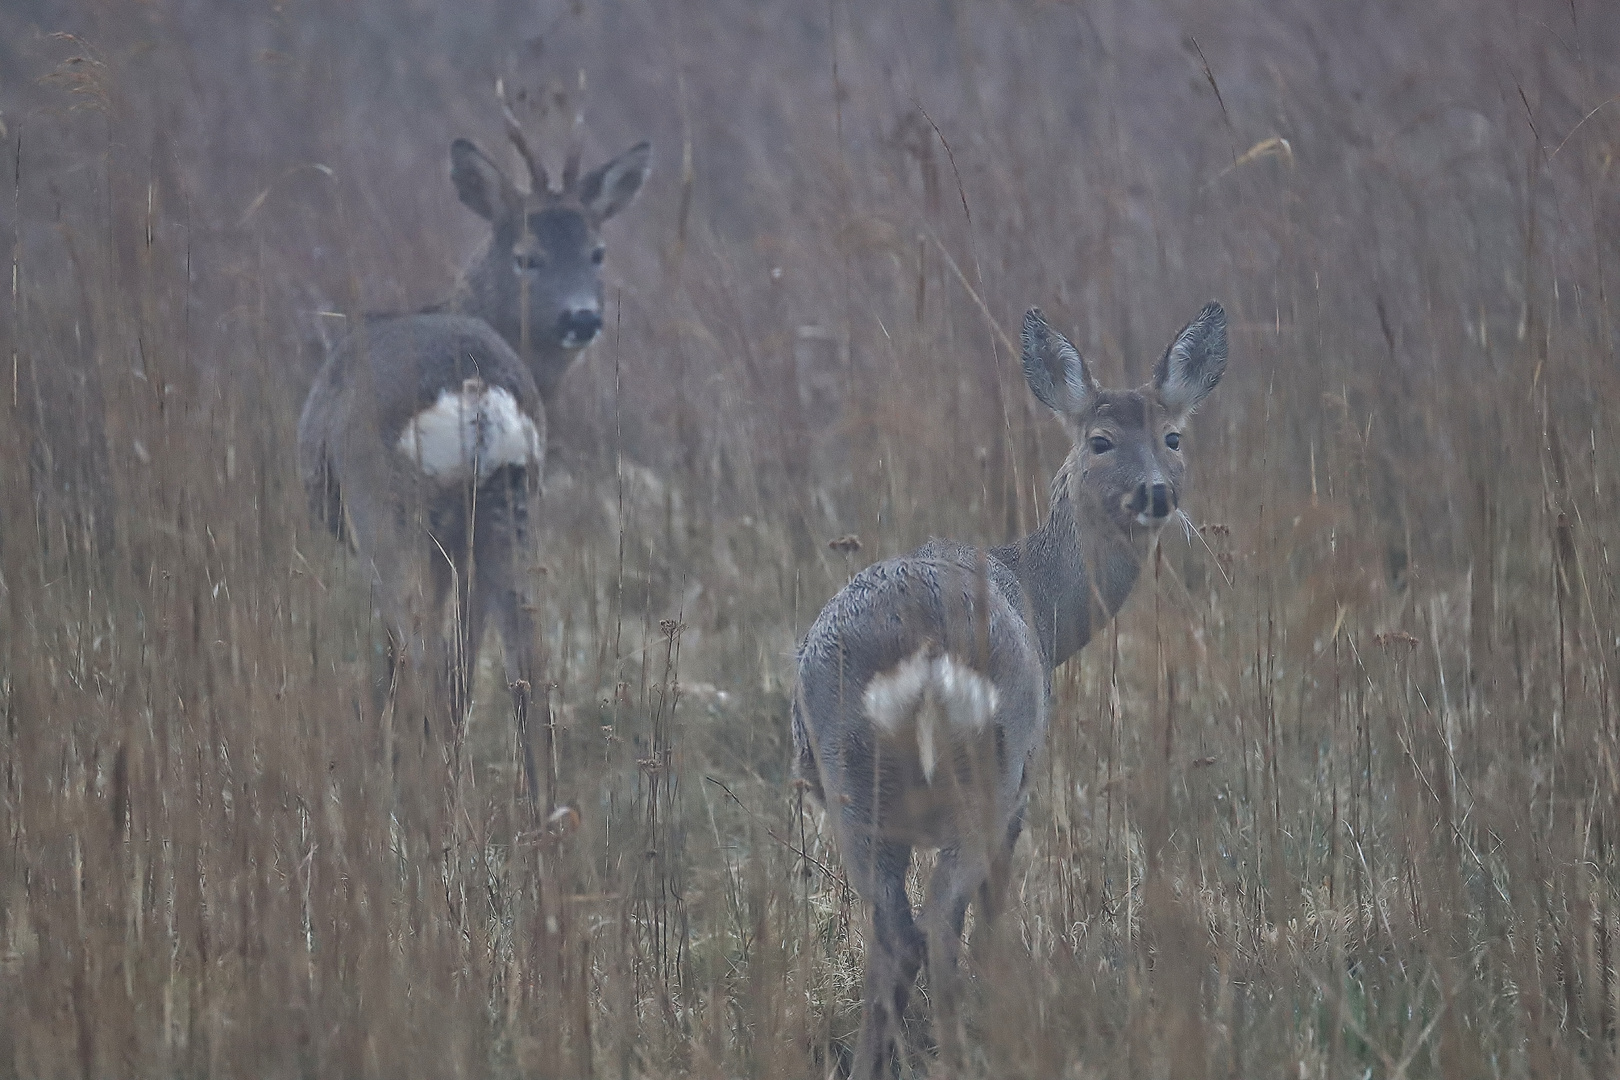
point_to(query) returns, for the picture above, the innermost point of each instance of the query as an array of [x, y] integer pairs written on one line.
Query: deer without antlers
[[423, 436], [923, 685]]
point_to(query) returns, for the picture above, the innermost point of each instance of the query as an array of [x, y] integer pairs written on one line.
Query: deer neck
[[1074, 578], [492, 295]]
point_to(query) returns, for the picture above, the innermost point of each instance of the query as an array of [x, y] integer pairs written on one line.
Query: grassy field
[[1337, 796]]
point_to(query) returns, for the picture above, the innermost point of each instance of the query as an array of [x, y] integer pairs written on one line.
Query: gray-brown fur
[[1013, 613], [523, 311]]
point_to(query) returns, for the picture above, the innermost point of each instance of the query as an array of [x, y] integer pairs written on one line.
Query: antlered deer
[[923, 685], [424, 434]]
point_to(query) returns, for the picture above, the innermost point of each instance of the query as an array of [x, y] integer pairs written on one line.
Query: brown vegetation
[[1338, 795]]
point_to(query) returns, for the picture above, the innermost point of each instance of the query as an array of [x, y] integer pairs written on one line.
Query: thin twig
[[1225, 116], [977, 299]]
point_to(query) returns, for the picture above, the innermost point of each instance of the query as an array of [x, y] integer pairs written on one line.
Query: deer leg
[[458, 656], [512, 616], [407, 592], [501, 537], [957, 877], [993, 893], [408, 585], [385, 566], [894, 952]]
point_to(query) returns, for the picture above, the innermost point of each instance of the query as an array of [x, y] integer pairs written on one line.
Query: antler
[[576, 139], [538, 180]]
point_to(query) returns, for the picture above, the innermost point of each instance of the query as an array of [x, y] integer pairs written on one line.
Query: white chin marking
[[470, 433], [1150, 521], [572, 340]]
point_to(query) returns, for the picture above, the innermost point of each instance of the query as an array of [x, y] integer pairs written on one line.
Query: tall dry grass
[[1335, 797]]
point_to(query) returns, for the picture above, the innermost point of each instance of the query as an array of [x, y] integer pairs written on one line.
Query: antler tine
[[576, 139], [538, 180]]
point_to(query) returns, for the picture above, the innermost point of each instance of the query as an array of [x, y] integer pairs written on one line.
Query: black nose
[[1161, 500], [1155, 497], [581, 324]]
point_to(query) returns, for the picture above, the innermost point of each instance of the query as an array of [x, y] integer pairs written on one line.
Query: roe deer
[[923, 685], [424, 434]]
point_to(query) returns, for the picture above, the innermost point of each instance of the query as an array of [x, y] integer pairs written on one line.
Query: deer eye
[[1101, 444], [1173, 440], [598, 253]]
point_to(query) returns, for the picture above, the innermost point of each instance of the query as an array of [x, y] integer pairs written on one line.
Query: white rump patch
[[470, 433], [925, 691]]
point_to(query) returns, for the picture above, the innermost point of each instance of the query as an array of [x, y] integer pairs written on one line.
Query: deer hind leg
[[993, 893], [501, 573], [958, 877], [409, 584], [468, 616], [894, 953], [420, 694], [407, 592], [444, 646]]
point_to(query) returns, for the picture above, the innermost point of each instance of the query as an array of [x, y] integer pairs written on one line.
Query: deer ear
[[483, 187], [1194, 362], [1054, 368], [609, 188]]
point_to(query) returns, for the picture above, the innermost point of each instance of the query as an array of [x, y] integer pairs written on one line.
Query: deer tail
[[933, 697]]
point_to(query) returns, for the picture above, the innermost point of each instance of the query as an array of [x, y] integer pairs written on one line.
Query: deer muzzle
[[578, 327], [1151, 503]]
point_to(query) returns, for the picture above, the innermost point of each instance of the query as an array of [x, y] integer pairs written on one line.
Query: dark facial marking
[[561, 232]]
